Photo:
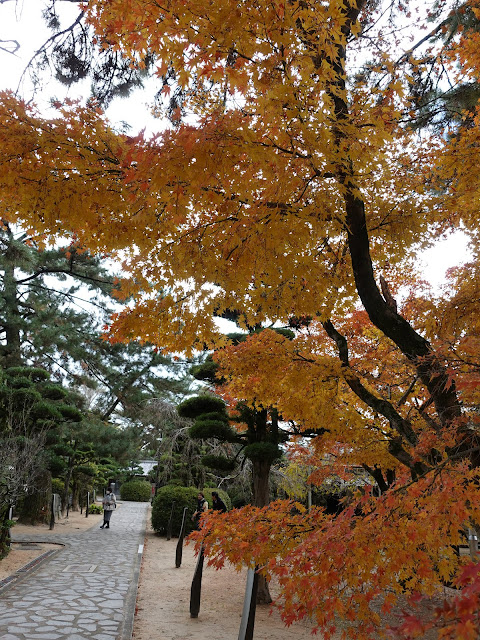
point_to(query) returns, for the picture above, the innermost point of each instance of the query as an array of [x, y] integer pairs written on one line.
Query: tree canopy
[[315, 149]]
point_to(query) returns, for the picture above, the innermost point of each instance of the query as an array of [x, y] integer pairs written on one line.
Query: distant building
[[146, 466]]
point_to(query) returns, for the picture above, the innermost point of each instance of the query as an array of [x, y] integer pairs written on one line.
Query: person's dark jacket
[[218, 504]]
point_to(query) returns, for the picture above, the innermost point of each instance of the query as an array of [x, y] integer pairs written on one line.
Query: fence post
[[196, 589], [247, 623], [179, 551], [170, 522]]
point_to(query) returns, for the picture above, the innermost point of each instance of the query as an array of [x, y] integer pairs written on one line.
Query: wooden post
[[247, 623], [473, 544], [170, 522], [196, 589], [10, 517], [52, 512], [179, 551]]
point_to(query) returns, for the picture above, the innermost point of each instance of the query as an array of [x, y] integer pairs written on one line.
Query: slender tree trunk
[[12, 348], [36, 506], [261, 497], [4, 531], [430, 368], [68, 477]]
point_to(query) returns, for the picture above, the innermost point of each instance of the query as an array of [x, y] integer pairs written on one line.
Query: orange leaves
[[363, 559]]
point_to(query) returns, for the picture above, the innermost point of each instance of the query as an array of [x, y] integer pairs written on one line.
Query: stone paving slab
[[86, 591]]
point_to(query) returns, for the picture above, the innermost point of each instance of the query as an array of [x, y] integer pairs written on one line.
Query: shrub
[[219, 463], [95, 508], [263, 451], [162, 506], [136, 490], [183, 497], [58, 486]]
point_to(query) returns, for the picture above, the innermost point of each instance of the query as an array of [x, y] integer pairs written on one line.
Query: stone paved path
[[86, 591]]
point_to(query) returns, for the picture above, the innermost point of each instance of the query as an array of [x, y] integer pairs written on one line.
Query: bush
[[95, 508], [162, 506], [262, 451], [136, 490], [219, 463], [183, 497], [58, 486]]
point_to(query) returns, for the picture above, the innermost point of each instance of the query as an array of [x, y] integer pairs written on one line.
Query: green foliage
[[205, 371], [58, 486], [5, 526], [23, 397], [203, 429], [95, 508], [72, 414], [46, 411], [54, 392], [193, 407], [136, 490], [219, 463], [268, 451], [214, 415], [33, 374], [162, 506]]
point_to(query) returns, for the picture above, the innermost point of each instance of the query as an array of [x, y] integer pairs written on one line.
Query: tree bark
[[12, 348], [261, 497]]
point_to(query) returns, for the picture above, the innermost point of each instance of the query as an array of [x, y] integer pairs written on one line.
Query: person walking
[[109, 503], [217, 503]]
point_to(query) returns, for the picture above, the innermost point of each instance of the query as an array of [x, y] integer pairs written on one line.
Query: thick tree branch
[[401, 426]]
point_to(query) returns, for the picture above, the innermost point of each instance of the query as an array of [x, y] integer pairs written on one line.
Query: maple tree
[[295, 176]]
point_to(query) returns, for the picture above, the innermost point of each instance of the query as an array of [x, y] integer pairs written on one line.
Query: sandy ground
[[163, 602]]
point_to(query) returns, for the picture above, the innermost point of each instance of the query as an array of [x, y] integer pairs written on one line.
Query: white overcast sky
[[21, 20]]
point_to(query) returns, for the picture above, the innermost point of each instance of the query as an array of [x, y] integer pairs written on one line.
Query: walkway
[[86, 591]]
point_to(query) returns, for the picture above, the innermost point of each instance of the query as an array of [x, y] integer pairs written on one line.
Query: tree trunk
[[11, 350], [4, 531], [66, 491], [431, 370], [261, 497], [36, 506]]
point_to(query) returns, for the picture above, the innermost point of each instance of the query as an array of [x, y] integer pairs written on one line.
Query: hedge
[[183, 497], [136, 490]]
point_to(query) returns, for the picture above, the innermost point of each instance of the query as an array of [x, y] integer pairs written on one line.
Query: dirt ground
[[164, 598]]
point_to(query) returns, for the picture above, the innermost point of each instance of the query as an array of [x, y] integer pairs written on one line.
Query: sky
[[21, 20]]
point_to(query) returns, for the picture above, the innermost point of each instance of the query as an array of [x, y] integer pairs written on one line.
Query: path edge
[[126, 631]]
